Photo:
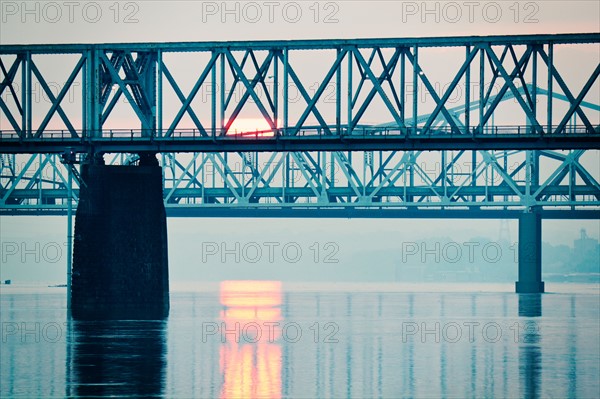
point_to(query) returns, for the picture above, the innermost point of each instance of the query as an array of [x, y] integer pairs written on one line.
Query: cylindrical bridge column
[[530, 254]]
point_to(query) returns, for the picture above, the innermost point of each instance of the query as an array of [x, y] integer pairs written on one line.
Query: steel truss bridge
[[489, 125]]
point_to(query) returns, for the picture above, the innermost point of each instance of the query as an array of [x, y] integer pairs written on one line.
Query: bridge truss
[[508, 130]]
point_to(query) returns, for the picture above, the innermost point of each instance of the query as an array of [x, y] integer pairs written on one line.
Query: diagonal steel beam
[[117, 79], [377, 88], [432, 92], [312, 104], [563, 87], [260, 75], [9, 77], [575, 105], [307, 98], [250, 88], [441, 104], [55, 101], [509, 83], [185, 102]]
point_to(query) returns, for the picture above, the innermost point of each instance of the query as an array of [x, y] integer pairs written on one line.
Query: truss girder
[[332, 179], [238, 79]]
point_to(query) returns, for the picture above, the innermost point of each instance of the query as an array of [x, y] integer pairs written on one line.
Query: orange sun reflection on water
[[251, 365]]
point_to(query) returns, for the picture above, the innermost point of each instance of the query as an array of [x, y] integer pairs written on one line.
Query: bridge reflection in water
[[520, 346], [115, 358], [250, 354]]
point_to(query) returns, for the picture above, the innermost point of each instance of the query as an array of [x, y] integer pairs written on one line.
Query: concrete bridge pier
[[530, 254], [120, 265]]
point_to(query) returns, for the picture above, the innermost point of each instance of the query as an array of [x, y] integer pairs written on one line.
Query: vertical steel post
[[349, 132], [322, 156], [536, 155], [468, 93], [88, 96], [25, 93], [415, 87], [285, 90], [213, 98], [444, 173], [338, 94], [150, 92], [93, 86], [276, 89], [222, 95], [534, 88], [159, 94], [550, 79], [481, 84], [84, 95], [402, 86], [528, 172], [28, 90]]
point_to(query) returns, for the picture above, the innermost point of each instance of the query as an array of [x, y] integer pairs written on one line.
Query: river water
[[271, 339]]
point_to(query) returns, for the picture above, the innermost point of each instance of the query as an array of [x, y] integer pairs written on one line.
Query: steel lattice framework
[[520, 135]]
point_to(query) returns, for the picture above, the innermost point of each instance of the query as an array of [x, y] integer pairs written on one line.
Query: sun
[[250, 127]]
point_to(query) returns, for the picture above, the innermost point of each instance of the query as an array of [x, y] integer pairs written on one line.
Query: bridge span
[[305, 95], [481, 127]]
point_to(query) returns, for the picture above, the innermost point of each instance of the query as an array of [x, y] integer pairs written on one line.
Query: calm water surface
[[271, 339]]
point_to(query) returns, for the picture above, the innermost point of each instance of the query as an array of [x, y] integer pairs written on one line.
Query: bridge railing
[[119, 135]]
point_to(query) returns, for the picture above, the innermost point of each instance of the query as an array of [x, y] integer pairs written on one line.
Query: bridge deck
[[190, 140]]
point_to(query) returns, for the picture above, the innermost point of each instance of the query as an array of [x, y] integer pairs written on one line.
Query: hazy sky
[[163, 21], [130, 21]]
